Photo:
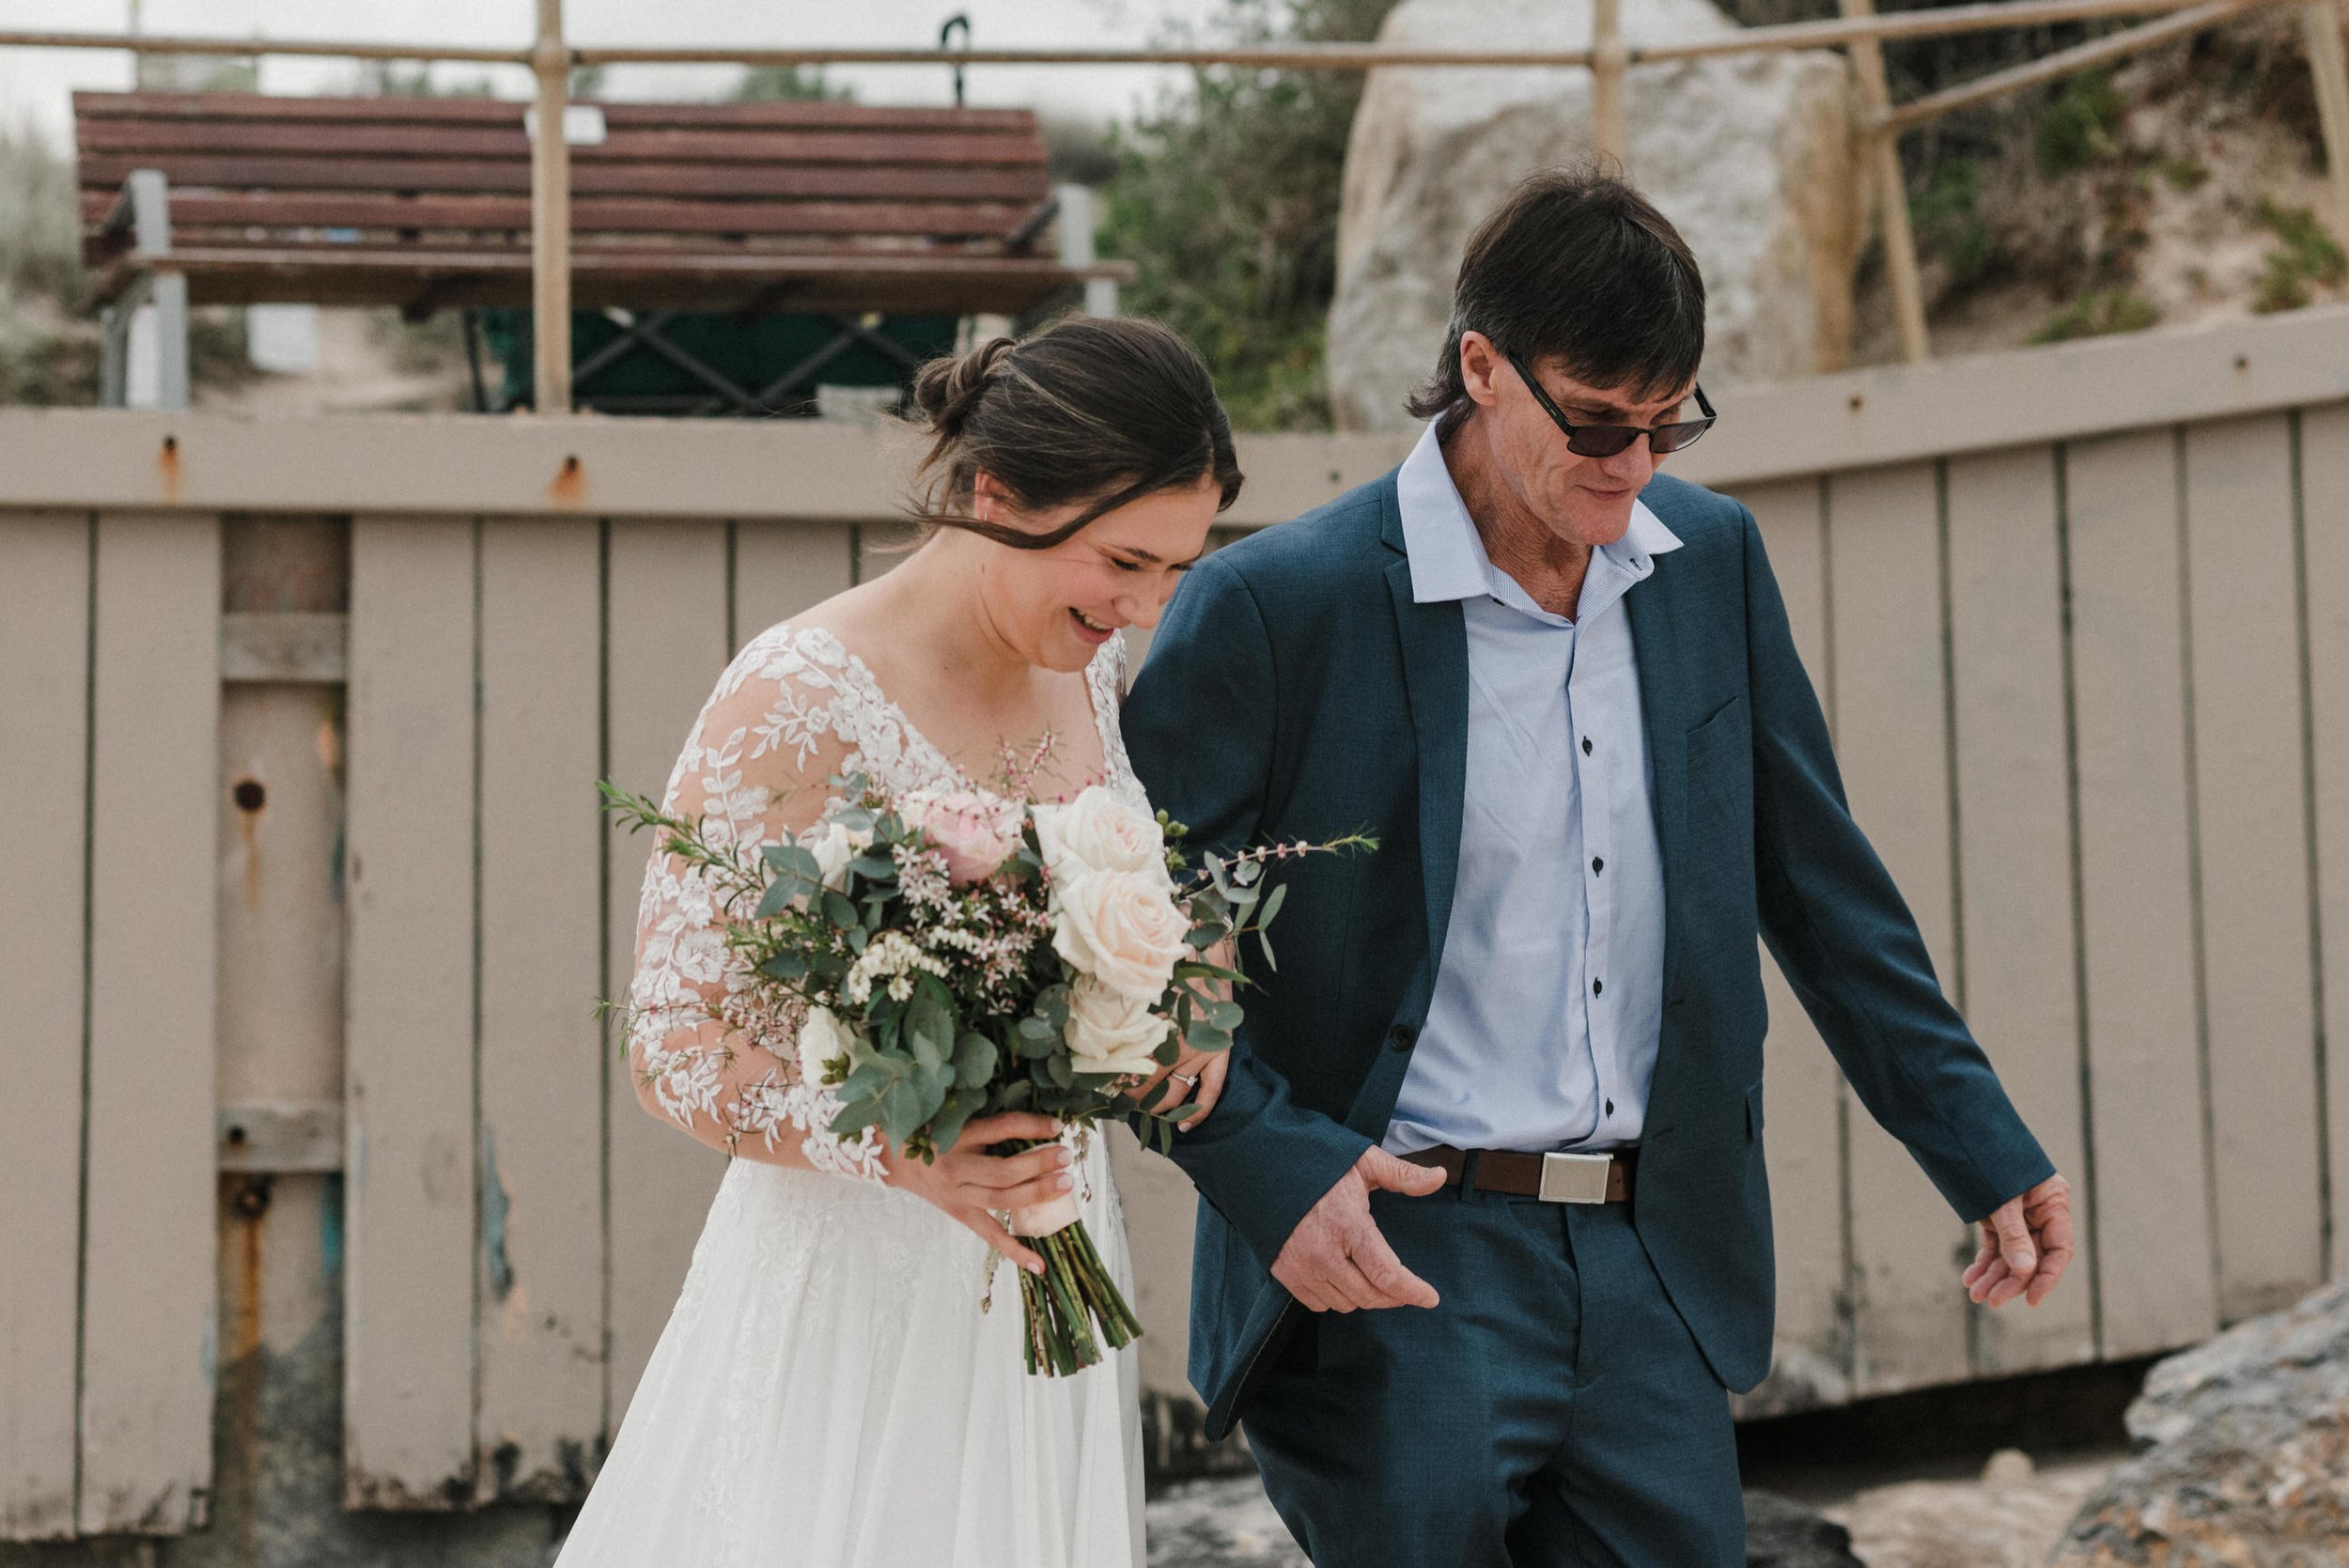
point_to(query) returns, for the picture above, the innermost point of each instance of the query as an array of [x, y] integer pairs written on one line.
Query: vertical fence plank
[[408, 1372], [150, 1299], [2251, 800], [665, 628], [2325, 510], [1892, 735], [2015, 844], [2151, 1199], [542, 1070], [1804, 1145], [44, 743], [781, 569]]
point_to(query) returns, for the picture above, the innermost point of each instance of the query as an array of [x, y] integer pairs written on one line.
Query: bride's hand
[[970, 1185], [1198, 1077]]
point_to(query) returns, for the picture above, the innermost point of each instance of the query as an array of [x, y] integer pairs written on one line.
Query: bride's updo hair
[[1094, 411]]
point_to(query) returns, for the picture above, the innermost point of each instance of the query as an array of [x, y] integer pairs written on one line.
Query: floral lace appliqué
[[794, 709]]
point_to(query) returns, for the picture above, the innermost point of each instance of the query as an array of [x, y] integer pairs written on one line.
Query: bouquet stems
[[1064, 1302]]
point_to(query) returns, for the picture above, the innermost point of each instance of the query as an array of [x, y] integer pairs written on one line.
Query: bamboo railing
[[1859, 31]]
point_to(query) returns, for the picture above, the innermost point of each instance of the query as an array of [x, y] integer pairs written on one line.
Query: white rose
[[1111, 1034], [1122, 928], [1099, 831], [834, 844], [823, 1040]]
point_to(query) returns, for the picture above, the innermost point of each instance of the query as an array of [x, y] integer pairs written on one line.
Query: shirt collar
[[1447, 554]]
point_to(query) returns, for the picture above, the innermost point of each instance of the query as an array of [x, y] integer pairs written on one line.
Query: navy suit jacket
[[1295, 690]]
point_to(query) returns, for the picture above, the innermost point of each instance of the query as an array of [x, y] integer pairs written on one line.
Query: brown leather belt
[[1600, 1177]]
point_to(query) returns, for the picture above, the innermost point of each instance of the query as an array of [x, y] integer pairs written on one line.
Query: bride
[[828, 1391]]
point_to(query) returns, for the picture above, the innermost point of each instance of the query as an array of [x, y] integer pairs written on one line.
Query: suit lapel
[[1663, 702], [1434, 676]]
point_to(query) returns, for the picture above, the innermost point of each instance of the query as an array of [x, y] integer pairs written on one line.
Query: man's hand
[[1336, 1261], [2026, 1246]]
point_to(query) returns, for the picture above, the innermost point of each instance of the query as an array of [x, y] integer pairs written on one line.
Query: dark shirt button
[[1611, 1107], [1598, 865], [1598, 986], [1586, 745], [1401, 1037]]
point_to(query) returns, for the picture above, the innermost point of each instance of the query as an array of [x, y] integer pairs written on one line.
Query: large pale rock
[[1750, 156], [2245, 1462]]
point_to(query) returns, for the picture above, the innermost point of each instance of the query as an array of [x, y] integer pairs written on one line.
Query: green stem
[[1063, 1306]]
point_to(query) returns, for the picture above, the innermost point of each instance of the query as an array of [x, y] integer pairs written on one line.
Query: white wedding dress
[[828, 1391]]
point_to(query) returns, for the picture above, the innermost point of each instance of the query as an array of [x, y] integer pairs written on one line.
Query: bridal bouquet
[[935, 957]]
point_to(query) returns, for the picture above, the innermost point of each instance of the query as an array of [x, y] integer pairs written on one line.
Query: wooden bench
[[238, 198]]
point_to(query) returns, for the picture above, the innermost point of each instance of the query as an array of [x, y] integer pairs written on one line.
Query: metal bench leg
[[171, 340], [114, 357], [1076, 247]]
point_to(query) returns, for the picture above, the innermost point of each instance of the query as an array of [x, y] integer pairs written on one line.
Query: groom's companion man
[[1485, 1237]]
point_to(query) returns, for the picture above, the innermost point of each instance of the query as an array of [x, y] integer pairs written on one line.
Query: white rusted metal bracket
[[281, 1139], [278, 646]]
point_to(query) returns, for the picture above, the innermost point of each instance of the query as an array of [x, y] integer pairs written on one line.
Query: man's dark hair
[[1578, 266]]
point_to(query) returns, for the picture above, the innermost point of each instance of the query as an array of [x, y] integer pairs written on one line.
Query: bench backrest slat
[[399, 187]]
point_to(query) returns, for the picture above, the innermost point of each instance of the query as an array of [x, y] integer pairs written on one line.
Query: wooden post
[[550, 219], [2321, 19], [1883, 162], [1607, 59]]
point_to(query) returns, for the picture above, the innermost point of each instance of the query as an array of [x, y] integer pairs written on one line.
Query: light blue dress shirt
[[1542, 1030]]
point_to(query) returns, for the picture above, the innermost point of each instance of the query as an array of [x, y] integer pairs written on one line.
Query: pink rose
[[975, 832]]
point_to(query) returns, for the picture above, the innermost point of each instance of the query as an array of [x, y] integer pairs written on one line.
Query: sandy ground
[[2007, 1515]]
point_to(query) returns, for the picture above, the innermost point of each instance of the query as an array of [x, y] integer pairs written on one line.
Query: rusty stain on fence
[[571, 485]]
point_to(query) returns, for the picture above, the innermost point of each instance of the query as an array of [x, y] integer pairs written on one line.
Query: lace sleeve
[[755, 771]]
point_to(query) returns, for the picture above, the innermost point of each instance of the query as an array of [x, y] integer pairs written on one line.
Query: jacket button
[[1402, 1036]]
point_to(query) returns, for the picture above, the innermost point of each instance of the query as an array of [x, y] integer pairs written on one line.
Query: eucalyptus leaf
[[930, 1022], [784, 966], [1271, 906], [1207, 1039], [791, 860], [975, 1059]]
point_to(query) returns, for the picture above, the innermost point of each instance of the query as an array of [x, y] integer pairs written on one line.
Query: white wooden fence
[[2080, 617]]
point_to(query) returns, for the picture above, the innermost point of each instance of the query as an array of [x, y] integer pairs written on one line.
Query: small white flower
[[823, 1041], [1123, 929], [1111, 1034], [1099, 831]]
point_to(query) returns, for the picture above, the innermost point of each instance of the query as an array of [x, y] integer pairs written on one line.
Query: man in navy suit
[[1484, 1237]]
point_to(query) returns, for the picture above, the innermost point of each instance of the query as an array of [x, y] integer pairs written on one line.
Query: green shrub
[[2099, 313], [2309, 253], [2079, 125], [1226, 201], [1949, 222]]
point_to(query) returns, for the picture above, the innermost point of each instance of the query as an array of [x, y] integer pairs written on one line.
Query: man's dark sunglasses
[[1604, 441]]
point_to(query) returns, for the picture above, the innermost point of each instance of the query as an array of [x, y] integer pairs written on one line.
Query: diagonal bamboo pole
[[2066, 62], [1882, 160]]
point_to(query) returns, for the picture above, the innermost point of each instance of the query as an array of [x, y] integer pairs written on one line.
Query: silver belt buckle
[[1574, 1178]]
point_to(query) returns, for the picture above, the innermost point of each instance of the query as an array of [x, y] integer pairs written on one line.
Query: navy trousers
[[1553, 1411]]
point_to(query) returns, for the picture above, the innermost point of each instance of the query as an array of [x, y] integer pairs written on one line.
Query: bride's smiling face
[[1057, 606]]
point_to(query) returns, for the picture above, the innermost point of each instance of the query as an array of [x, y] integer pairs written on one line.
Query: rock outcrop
[[1750, 156], [2245, 1456]]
